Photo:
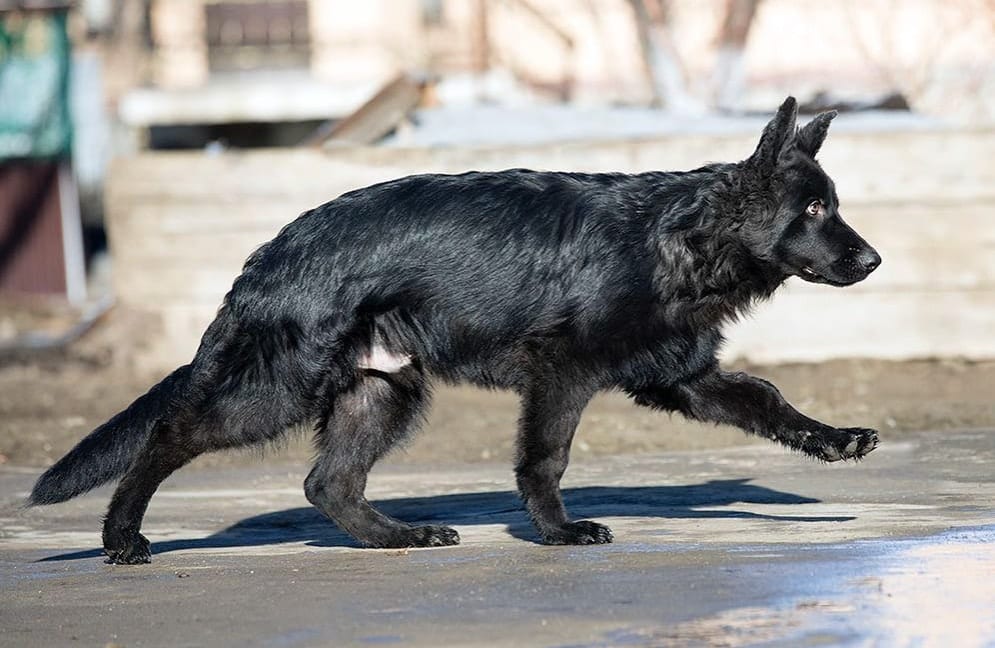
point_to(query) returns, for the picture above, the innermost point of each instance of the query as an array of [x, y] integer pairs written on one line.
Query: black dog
[[555, 285]]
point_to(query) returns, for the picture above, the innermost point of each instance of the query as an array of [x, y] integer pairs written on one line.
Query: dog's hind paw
[[132, 550], [578, 533], [841, 444]]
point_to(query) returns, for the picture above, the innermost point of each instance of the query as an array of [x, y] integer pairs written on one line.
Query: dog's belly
[[448, 349]]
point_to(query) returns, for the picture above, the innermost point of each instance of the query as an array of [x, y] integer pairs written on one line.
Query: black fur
[[555, 285], [108, 451]]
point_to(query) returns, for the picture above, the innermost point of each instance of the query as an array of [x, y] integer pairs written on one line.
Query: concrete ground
[[741, 546]]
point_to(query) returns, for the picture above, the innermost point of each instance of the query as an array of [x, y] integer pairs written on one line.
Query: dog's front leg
[[757, 406], [550, 414]]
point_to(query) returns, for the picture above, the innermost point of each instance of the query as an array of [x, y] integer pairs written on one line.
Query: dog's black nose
[[869, 260]]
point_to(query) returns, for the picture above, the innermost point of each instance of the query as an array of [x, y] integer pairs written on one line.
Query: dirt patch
[[51, 399]]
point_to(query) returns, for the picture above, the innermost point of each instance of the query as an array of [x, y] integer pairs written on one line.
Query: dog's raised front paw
[[841, 444]]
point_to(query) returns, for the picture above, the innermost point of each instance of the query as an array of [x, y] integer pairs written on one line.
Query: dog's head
[[793, 220]]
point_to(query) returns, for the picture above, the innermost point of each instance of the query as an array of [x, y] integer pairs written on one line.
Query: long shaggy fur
[[555, 285]]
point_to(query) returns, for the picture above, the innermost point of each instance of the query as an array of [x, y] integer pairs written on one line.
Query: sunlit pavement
[[730, 547]]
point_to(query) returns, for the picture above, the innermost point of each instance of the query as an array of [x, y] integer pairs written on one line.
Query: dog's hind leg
[[550, 414], [214, 411], [212, 422], [165, 453], [756, 406], [378, 411]]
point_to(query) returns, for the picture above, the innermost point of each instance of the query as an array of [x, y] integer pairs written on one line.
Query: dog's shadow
[[307, 525]]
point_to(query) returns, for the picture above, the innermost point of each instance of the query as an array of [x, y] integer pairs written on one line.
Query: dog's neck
[[704, 273]]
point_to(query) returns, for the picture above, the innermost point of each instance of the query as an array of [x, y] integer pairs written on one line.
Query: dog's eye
[[814, 208]]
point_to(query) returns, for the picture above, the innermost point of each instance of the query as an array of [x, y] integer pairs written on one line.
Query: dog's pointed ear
[[811, 136], [776, 136]]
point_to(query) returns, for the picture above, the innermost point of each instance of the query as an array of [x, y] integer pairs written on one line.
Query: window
[[257, 34]]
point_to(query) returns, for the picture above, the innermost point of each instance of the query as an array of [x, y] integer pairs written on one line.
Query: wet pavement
[[742, 546]]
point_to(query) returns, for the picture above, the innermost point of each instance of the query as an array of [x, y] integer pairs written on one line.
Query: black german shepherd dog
[[555, 285]]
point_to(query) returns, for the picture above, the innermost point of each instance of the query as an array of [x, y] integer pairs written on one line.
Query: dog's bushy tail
[[109, 450]]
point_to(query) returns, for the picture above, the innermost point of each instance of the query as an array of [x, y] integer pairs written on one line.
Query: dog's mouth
[[810, 275]]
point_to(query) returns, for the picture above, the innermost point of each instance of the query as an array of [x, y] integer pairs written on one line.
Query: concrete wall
[[181, 224]]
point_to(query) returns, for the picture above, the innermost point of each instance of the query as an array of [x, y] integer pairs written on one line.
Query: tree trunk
[[730, 65], [660, 56]]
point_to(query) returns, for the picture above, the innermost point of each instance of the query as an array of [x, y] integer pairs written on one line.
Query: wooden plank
[[810, 327], [943, 247], [791, 328], [897, 225], [377, 117], [156, 266], [919, 271], [868, 167]]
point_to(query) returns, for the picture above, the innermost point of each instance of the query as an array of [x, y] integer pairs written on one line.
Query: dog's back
[[458, 271]]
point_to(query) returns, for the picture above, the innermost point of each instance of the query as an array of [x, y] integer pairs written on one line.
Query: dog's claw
[[842, 444]]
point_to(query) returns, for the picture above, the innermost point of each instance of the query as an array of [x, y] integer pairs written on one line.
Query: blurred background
[[148, 146]]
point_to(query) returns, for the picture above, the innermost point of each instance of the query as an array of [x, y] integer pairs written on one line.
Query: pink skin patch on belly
[[380, 359]]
